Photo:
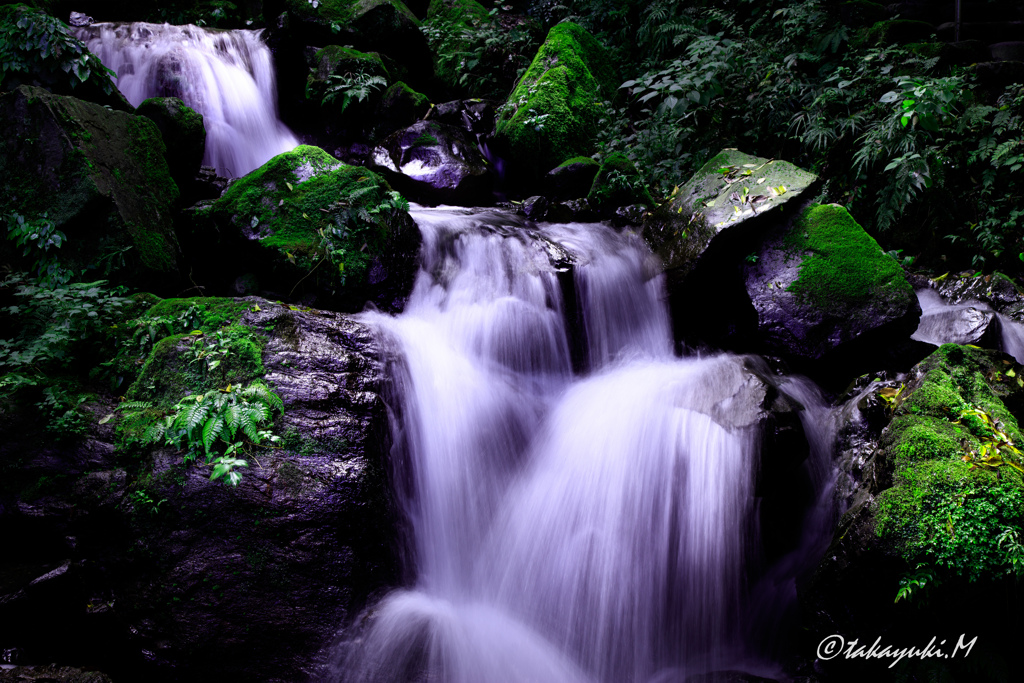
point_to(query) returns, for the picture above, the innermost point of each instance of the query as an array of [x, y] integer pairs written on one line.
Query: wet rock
[[52, 673], [535, 208], [435, 163], [309, 225], [474, 116], [823, 287], [959, 324], [401, 106], [997, 290], [99, 175]]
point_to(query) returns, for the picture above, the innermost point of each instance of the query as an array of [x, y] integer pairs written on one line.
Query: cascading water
[[564, 528], [945, 323], [227, 76]]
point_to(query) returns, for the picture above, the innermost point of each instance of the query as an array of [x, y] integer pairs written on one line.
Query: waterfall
[[593, 528], [227, 76], [964, 323]]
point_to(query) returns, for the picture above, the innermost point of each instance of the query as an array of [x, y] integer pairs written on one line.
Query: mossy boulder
[[183, 133], [335, 60], [308, 223], [401, 106], [571, 179], [99, 175], [435, 163], [332, 118], [552, 114], [618, 183], [455, 20], [822, 285], [944, 489]]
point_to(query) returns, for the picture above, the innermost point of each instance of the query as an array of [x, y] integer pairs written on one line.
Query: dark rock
[[52, 673], [473, 116], [571, 179], [965, 52], [327, 117], [535, 208], [823, 288], [995, 289], [1009, 51], [401, 106], [207, 582], [184, 136], [208, 185], [956, 324], [988, 31], [632, 215], [435, 163], [618, 183], [99, 175], [995, 76]]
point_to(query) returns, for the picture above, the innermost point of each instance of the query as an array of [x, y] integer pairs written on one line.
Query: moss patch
[[344, 11], [552, 114], [843, 266], [618, 183], [941, 510]]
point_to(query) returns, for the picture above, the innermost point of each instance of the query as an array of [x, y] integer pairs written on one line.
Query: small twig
[[307, 274]]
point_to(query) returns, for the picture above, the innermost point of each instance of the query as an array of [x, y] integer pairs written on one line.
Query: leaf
[[106, 419], [290, 188]]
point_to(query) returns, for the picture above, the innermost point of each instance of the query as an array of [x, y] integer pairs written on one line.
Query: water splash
[[227, 76], [566, 528]]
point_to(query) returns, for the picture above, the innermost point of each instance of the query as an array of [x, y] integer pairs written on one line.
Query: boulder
[[344, 90], [966, 323], [99, 175], [435, 163], [475, 116], [945, 488], [401, 106], [552, 114], [822, 287], [184, 136], [571, 179], [707, 229], [142, 566], [308, 223], [456, 20]]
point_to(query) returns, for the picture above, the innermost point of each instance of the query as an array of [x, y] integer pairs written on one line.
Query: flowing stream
[[227, 76], [596, 526], [964, 323]]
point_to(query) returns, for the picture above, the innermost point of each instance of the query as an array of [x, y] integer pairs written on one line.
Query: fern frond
[[211, 430]]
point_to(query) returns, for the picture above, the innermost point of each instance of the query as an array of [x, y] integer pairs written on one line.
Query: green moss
[[618, 183], [582, 161], [335, 60], [552, 113], [892, 31], [305, 206], [941, 510], [344, 11], [463, 12], [213, 312], [843, 266]]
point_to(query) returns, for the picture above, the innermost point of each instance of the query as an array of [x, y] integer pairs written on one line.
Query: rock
[[571, 179], [552, 114], [956, 324], [99, 175], [705, 231], [52, 673], [308, 223], [822, 287], [456, 18], [171, 575], [435, 164], [1008, 51], [535, 208], [401, 106], [327, 114], [208, 185], [474, 116], [184, 136], [632, 215], [995, 289], [994, 77], [932, 506], [618, 183]]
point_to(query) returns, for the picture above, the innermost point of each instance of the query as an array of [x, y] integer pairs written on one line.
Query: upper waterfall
[[227, 76]]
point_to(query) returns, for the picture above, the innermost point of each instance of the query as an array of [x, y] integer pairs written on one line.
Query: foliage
[[217, 426], [37, 238], [351, 218], [34, 44], [352, 87]]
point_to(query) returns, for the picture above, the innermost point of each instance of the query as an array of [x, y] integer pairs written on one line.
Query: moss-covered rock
[[454, 21], [618, 183], [401, 106], [307, 222], [552, 114], [942, 494], [183, 133], [335, 60], [822, 283], [99, 175]]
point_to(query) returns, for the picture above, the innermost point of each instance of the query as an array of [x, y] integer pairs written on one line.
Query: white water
[[227, 76], [945, 323], [564, 528]]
